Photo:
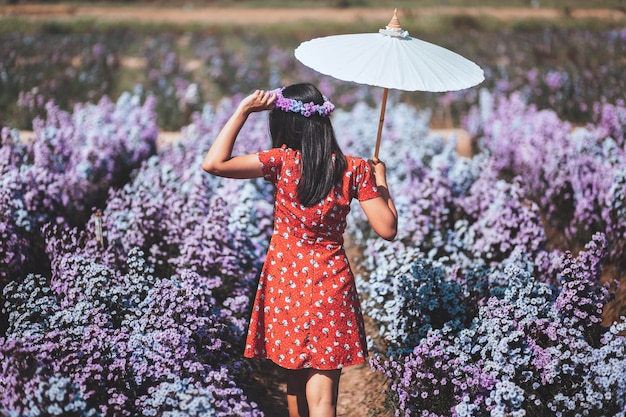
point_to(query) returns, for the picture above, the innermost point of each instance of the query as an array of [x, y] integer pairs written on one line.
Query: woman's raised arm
[[219, 160]]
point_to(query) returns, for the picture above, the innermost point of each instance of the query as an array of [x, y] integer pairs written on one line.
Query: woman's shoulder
[[355, 162], [279, 151], [279, 156]]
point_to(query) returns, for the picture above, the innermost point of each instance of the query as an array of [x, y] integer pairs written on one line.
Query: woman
[[306, 316]]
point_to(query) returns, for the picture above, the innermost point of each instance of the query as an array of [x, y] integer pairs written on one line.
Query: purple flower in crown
[[296, 106]]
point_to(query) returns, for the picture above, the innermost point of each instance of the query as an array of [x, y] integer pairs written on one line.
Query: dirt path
[[271, 16]]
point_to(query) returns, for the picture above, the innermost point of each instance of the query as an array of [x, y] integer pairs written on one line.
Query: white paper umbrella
[[390, 59]]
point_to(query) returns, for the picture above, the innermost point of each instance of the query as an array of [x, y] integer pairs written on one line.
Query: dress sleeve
[[366, 185], [271, 161]]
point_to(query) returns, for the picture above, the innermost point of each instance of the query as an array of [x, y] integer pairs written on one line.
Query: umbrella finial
[[394, 29], [394, 22]]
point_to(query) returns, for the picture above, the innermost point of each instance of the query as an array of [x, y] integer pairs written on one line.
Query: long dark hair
[[315, 138]]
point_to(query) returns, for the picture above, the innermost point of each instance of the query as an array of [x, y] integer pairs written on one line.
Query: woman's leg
[[296, 393], [322, 389], [312, 393]]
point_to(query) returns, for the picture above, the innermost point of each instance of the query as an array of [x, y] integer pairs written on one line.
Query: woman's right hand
[[259, 100], [219, 159]]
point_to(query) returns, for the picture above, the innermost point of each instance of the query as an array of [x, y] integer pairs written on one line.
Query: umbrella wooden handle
[[380, 123]]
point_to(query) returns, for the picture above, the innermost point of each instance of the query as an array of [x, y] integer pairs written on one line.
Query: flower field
[[127, 273]]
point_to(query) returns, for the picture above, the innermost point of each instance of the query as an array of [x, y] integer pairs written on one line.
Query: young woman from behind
[[306, 316]]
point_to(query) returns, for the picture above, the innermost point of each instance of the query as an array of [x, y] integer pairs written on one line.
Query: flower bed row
[[142, 307], [563, 69], [481, 308], [65, 171]]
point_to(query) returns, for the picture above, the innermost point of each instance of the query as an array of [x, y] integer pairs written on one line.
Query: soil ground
[[269, 16], [361, 390]]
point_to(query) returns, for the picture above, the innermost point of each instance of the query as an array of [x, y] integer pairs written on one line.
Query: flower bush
[[65, 171], [534, 349], [147, 317], [126, 344], [479, 310], [572, 175]]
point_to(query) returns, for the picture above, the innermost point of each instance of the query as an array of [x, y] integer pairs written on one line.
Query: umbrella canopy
[[390, 59]]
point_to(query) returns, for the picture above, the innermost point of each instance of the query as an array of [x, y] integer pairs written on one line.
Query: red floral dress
[[306, 312]]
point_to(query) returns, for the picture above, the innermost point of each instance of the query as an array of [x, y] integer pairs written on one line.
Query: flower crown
[[296, 106]]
